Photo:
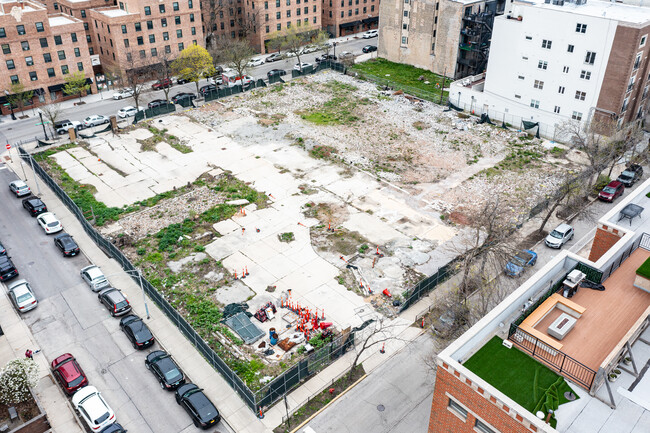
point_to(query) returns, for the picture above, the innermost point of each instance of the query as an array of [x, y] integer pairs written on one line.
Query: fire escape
[[475, 35]]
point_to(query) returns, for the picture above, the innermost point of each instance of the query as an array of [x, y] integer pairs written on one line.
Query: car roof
[[33, 200], [93, 272], [18, 182], [48, 216], [69, 370], [16, 283], [115, 295], [563, 227], [614, 184]]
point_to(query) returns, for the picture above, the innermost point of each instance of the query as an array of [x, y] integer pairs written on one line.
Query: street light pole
[[139, 275]]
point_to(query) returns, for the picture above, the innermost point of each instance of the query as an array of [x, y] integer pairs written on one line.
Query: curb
[[328, 404]]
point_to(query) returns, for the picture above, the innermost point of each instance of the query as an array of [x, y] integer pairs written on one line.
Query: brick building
[[345, 17], [278, 15], [587, 338], [39, 50]]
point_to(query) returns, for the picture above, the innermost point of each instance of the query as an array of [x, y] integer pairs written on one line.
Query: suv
[[611, 191], [161, 364], [19, 188], [325, 57], [7, 268], [182, 97], [63, 126], [114, 301], [92, 408], [34, 206], [560, 236], [370, 34], [198, 405], [157, 103], [205, 90], [160, 84], [631, 174], [69, 374]]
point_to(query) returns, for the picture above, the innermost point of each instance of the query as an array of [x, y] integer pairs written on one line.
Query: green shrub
[[644, 269]]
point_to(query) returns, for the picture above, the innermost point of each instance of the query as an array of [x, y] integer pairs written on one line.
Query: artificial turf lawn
[[516, 374], [644, 269]]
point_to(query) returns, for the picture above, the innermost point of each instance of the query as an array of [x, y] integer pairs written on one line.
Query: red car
[[162, 84], [69, 374], [611, 191]]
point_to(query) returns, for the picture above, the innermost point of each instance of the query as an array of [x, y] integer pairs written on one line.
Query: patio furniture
[[12, 413], [561, 326], [630, 212], [555, 300]]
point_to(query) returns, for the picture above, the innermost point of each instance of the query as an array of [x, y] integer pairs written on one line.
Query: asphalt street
[[15, 131], [69, 318]]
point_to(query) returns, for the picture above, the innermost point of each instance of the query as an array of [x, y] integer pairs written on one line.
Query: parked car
[[162, 84], [94, 277], [168, 373], [520, 261], [68, 373], [156, 103], [123, 93], [184, 96], [7, 268], [67, 245], [369, 48], [197, 405], [325, 57], [127, 111], [560, 236], [49, 222], [450, 321], [95, 120], [114, 428], [34, 206], [256, 61], [182, 80], [207, 89], [63, 126], [3, 250], [22, 296], [310, 49], [276, 73], [92, 407], [631, 175], [217, 80], [19, 188], [136, 331], [302, 65], [611, 191], [273, 57], [114, 301], [370, 34], [345, 55]]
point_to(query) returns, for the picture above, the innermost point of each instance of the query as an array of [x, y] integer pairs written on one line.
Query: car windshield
[[53, 224], [121, 304], [609, 190], [23, 298], [76, 382], [173, 375], [627, 174], [556, 234], [102, 418]]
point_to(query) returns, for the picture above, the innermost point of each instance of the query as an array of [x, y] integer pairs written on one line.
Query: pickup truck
[[62, 127]]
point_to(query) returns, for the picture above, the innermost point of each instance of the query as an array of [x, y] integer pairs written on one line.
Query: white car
[[123, 93], [94, 277], [127, 111], [49, 222], [560, 236], [217, 80], [310, 49], [370, 34], [22, 296], [19, 188], [95, 120], [93, 409], [257, 61], [301, 66]]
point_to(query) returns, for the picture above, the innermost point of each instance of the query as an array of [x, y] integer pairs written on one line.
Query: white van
[[231, 79]]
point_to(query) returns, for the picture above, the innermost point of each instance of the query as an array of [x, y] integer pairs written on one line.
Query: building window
[[372, 8], [643, 40], [179, 33], [404, 40], [77, 53], [149, 25], [20, 29], [91, 51], [14, 79], [152, 39], [39, 27], [47, 57], [10, 64], [556, 110], [163, 22], [64, 69], [175, 6], [80, 66], [278, 26], [177, 20], [277, 3], [143, 54], [560, 90], [580, 95], [74, 37], [457, 409], [193, 29], [538, 84], [298, 12], [140, 40], [86, 26], [521, 77], [29, 61], [565, 69], [61, 54], [645, 92], [168, 49], [124, 28], [25, 45], [581, 28], [570, 48], [542, 64], [43, 42], [126, 43], [191, 18], [121, 7], [58, 40], [576, 116], [481, 427], [406, 14], [147, 10], [154, 52], [138, 27], [165, 36], [546, 44], [190, 5], [534, 103], [585, 75], [50, 72], [637, 61], [161, 8], [6, 49], [88, 38], [83, 13], [3, 34], [181, 46], [590, 58], [529, 38], [129, 57]]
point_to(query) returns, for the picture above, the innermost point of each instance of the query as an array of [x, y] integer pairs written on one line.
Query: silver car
[[19, 188], [560, 236], [94, 277], [22, 296]]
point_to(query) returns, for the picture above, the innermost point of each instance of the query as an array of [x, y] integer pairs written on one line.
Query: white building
[[553, 62]]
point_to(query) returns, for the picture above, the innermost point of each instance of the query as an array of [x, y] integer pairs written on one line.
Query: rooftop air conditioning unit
[[575, 276]]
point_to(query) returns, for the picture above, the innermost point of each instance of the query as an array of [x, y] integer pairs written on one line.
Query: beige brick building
[[277, 15], [39, 50], [345, 17], [448, 37]]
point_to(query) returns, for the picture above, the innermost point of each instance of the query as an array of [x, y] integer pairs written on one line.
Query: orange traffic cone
[[387, 293], [235, 275], [383, 348]]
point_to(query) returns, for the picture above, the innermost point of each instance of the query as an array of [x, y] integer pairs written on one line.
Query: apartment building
[[346, 17], [39, 50], [278, 15], [138, 33], [81, 9], [551, 62], [450, 37], [224, 19], [545, 342]]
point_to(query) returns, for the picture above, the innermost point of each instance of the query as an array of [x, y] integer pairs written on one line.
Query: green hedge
[[644, 269]]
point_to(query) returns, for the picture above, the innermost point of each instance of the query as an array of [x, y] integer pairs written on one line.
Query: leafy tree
[[75, 84], [19, 96], [16, 378], [236, 53], [295, 39], [192, 64]]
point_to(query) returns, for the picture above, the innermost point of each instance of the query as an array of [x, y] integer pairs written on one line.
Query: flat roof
[[60, 21], [600, 9], [117, 12]]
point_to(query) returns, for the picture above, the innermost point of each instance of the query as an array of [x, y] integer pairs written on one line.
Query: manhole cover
[[381, 408]]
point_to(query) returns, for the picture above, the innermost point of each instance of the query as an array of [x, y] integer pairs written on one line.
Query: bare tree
[[136, 74], [52, 112], [376, 332], [624, 141], [295, 39], [573, 186], [236, 53], [163, 71]]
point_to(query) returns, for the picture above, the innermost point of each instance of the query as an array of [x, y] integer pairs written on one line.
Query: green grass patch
[[517, 375], [644, 269]]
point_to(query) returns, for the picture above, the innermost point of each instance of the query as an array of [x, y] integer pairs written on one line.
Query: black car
[[7, 268], [34, 206], [631, 175], [183, 96], [194, 401], [276, 73], [66, 244], [114, 428], [3, 250], [369, 49], [182, 81], [207, 89], [325, 57], [156, 103], [161, 364], [136, 331], [114, 301]]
